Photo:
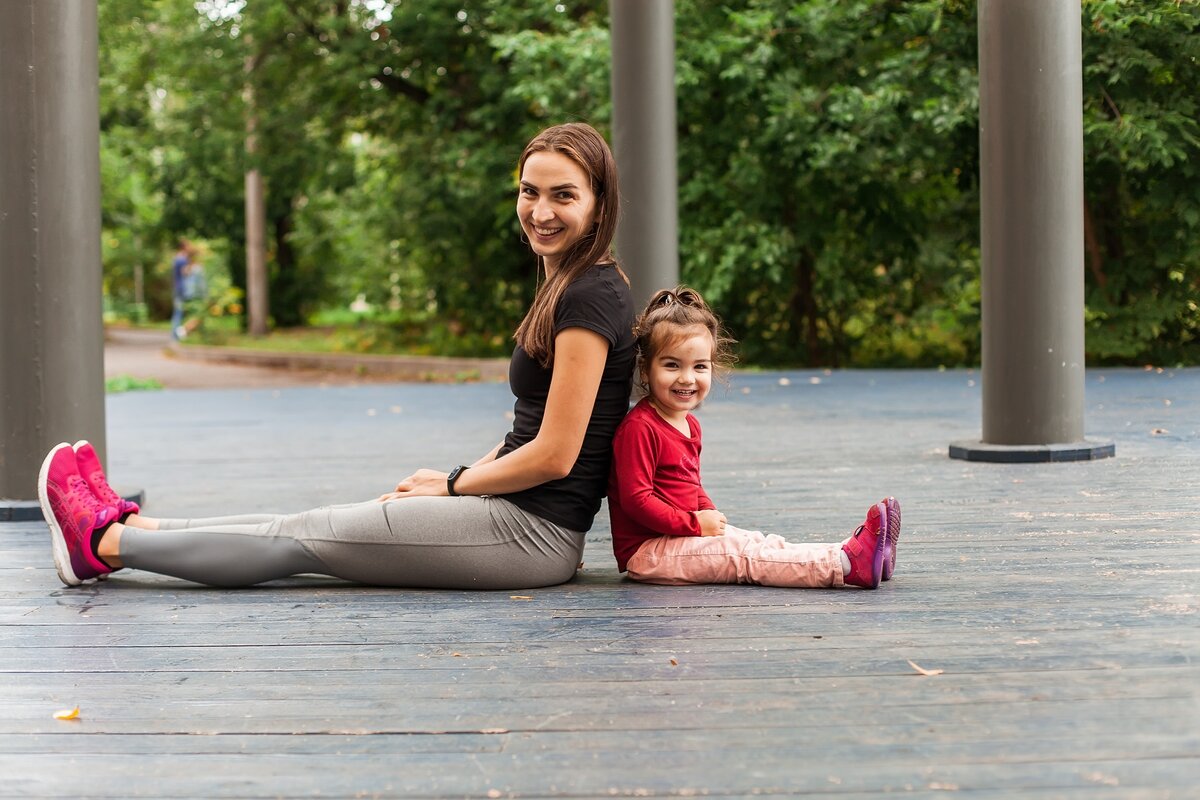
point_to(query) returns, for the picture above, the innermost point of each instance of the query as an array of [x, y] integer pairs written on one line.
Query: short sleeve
[[595, 303]]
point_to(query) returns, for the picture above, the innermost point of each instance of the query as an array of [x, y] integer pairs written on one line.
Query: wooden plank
[[1060, 601]]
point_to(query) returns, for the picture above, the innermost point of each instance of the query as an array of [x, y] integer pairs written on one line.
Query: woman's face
[[555, 205]]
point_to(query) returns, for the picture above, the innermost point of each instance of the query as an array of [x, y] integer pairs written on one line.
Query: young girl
[[665, 528], [514, 518]]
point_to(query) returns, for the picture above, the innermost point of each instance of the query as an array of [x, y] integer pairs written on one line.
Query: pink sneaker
[[72, 514], [865, 549], [97, 481], [893, 537]]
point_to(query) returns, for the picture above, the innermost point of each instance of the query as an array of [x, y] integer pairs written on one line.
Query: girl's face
[[555, 205], [680, 373]]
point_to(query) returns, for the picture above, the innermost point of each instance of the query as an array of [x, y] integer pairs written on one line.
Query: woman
[[513, 519]]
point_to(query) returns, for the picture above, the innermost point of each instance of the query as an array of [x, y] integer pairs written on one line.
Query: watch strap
[[452, 478]]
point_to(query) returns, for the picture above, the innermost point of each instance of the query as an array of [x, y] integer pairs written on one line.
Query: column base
[[1031, 453], [31, 510]]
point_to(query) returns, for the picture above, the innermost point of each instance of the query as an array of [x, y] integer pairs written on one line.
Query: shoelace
[[78, 486], [110, 495]]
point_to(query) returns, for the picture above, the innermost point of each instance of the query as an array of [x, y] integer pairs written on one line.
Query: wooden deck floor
[[1059, 601]]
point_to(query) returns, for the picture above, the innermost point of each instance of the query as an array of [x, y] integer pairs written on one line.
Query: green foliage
[[128, 383], [1142, 137], [829, 149], [828, 156]]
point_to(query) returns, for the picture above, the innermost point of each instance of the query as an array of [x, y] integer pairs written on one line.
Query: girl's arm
[[579, 358], [635, 458]]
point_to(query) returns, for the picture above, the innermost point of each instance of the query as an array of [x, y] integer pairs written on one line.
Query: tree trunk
[[285, 289], [257, 305], [804, 307]]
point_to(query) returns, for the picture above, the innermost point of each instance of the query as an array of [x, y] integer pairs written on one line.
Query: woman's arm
[[579, 358], [491, 456]]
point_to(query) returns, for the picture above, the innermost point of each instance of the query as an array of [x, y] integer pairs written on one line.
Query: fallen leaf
[[674, 663], [923, 671], [457, 655], [519, 597], [72, 714], [1159, 431], [1101, 778]]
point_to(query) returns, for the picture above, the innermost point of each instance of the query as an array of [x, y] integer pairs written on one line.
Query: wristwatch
[[452, 477]]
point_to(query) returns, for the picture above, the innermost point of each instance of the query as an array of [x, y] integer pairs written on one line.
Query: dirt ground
[[145, 354]]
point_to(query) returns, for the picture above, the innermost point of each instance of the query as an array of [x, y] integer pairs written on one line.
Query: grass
[[128, 383], [375, 338]]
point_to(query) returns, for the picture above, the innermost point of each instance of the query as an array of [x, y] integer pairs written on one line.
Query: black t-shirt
[[599, 301]]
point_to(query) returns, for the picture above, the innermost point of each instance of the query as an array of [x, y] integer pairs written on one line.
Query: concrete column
[[1031, 197], [51, 331], [643, 93]]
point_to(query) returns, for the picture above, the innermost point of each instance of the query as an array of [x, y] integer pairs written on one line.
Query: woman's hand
[[712, 522], [422, 483]]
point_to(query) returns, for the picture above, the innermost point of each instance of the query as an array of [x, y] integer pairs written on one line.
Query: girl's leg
[[433, 542], [739, 556]]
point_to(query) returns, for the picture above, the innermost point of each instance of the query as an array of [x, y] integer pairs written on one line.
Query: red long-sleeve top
[[654, 484]]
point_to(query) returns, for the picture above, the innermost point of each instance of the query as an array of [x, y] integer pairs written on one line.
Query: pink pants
[[737, 557]]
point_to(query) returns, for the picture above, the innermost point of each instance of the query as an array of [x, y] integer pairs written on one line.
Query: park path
[[145, 354]]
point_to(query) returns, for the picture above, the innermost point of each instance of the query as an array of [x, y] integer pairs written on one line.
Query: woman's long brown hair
[[586, 147]]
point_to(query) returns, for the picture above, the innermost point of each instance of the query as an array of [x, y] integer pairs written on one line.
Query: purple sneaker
[[893, 537], [97, 481], [72, 514], [865, 549]]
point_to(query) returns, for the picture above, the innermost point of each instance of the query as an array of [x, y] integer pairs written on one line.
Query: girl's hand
[[422, 483], [712, 522]]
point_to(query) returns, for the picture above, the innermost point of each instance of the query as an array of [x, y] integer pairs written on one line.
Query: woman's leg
[[739, 556], [184, 523], [444, 543], [235, 555], [180, 524], [419, 542]]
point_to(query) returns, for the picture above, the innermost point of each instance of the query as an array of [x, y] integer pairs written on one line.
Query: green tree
[[827, 151], [828, 161], [1142, 141]]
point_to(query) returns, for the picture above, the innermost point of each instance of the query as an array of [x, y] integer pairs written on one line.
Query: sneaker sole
[[58, 543], [880, 559], [893, 537]]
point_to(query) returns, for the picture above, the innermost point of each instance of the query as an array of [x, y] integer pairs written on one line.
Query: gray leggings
[[417, 542]]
